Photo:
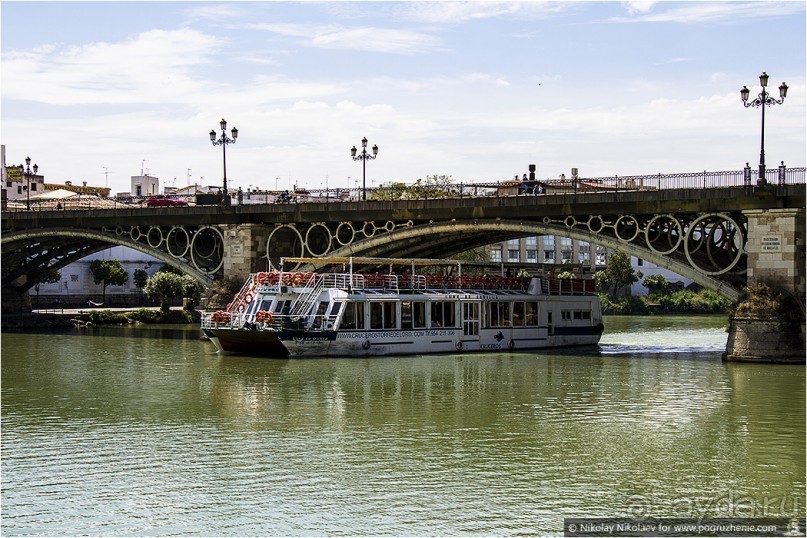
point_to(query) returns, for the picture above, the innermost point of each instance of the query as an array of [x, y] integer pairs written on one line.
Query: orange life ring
[[248, 298], [220, 316]]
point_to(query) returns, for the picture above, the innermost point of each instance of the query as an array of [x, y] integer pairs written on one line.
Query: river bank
[[71, 317]]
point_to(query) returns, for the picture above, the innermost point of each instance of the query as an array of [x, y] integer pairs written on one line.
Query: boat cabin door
[[470, 320]]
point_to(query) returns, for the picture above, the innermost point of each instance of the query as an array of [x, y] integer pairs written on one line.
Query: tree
[[140, 277], [655, 284], [192, 291], [434, 186], [166, 286], [617, 274], [108, 272]]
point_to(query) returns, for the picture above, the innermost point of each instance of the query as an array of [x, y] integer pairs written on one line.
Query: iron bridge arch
[[35, 253], [708, 248]]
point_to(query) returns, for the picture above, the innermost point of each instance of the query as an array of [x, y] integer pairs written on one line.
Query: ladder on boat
[[308, 296]]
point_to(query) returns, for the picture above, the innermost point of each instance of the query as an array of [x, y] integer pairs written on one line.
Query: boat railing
[[303, 303], [567, 286]]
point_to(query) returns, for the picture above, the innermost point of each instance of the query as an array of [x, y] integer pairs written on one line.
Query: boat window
[[390, 319], [349, 317], [419, 314], [519, 319], [376, 316], [413, 314], [532, 313], [499, 314], [406, 314], [443, 314], [320, 315], [266, 305], [360, 323], [337, 306], [281, 307], [383, 315], [470, 318]]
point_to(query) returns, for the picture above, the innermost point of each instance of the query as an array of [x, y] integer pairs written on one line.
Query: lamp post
[[223, 141], [363, 157], [28, 178], [763, 99]]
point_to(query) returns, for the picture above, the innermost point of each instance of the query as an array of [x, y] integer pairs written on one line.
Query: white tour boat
[[349, 314]]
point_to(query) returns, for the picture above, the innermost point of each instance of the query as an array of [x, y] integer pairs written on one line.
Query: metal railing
[[686, 180]]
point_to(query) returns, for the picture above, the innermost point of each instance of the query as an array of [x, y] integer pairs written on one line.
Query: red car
[[161, 200]]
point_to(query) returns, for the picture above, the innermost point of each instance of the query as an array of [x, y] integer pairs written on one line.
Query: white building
[[145, 185], [563, 251], [76, 284], [646, 268]]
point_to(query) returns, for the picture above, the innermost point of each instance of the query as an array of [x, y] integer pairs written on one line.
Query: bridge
[[717, 229]]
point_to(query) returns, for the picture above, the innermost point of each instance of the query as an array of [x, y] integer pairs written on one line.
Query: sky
[[100, 91]]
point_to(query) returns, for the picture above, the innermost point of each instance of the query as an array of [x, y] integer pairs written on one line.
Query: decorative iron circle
[[369, 228], [171, 241], [595, 224], [658, 233], [570, 221], [288, 243], [134, 233], [213, 253], [721, 238], [311, 240], [150, 237], [623, 223], [345, 233], [389, 226]]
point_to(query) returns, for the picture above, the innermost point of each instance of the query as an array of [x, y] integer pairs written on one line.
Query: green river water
[[114, 431]]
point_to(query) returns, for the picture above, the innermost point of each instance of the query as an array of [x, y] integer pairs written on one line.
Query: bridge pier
[[15, 298], [776, 257], [245, 250]]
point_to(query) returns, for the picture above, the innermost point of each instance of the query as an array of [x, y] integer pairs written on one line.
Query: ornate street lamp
[[28, 178], [223, 141], [763, 99], [363, 157]]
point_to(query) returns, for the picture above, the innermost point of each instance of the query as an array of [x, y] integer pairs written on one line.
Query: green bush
[[678, 302]]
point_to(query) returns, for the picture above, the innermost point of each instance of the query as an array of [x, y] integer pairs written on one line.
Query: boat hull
[[261, 343], [300, 344]]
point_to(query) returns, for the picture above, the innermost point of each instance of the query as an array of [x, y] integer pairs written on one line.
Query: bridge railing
[[687, 180]]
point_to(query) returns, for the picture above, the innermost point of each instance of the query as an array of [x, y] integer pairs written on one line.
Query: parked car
[[161, 200]]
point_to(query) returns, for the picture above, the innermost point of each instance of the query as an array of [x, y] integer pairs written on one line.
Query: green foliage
[[108, 272], [655, 284], [433, 186], [191, 291], [166, 268], [677, 302], [617, 274], [479, 254], [143, 315], [107, 317], [166, 286], [567, 275], [623, 305], [762, 300], [140, 277], [52, 277]]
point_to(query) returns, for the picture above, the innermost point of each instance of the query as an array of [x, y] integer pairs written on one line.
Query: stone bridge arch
[[447, 238]]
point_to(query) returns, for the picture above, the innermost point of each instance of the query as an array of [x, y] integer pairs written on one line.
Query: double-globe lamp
[[363, 157], [763, 99], [222, 141]]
